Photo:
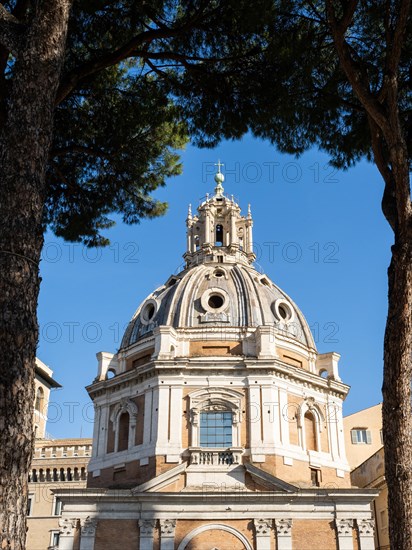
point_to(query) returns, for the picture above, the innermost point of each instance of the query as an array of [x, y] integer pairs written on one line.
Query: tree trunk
[[24, 147], [397, 410]]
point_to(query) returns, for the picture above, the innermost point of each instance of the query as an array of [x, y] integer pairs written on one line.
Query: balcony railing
[[211, 457]]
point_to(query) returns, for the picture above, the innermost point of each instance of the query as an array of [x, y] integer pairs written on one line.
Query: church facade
[[218, 425]]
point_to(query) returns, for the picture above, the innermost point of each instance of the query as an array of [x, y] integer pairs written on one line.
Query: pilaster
[[167, 534], [146, 527], [262, 532], [67, 530], [366, 529], [88, 533], [284, 534], [344, 528]]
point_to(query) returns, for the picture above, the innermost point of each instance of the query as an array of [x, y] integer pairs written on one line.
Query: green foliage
[[118, 131], [115, 143], [141, 78], [294, 92]]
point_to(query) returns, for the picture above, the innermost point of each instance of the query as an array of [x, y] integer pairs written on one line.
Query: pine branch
[[71, 80], [352, 67]]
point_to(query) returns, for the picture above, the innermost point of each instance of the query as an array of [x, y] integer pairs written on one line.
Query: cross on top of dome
[[219, 179]]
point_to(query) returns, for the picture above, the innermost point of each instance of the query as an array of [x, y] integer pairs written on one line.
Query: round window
[[219, 273], [148, 312], [282, 310], [216, 301]]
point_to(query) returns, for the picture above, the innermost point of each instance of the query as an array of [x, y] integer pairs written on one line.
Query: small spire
[[207, 197], [189, 212], [249, 211], [219, 179]]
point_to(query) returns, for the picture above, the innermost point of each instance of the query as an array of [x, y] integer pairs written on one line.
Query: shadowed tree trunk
[[24, 145], [391, 157]]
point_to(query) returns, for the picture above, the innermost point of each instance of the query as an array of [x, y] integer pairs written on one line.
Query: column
[[255, 426], [233, 234], [96, 429], [284, 534], [189, 239], [103, 427], [88, 533], [146, 527], [175, 431], [249, 237], [366, 528], [67, 530], [269, 416], [167, 534], [284, 416], [345, 537], [162, 393], [207, 227], [147, 426], [262, 530]]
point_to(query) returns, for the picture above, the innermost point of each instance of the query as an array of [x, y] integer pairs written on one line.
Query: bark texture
[[391, 157], [24, 146]]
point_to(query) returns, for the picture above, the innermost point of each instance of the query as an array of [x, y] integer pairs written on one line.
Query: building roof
[[46, 374]]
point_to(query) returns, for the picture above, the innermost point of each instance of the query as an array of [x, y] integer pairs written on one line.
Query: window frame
[[356, 440], [213, 432], [215, 400], [57, 506]]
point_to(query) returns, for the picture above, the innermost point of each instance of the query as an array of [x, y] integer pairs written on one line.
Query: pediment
[[160, 481], [269, 481]]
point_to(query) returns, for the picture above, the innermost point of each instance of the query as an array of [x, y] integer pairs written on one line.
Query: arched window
[[216, 429], [219, 235], [310, 431], [215, 418], [124, 419], [38, 405], [123, 441]]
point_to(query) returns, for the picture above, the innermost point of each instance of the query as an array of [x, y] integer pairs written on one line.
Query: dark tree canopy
[[134, 76], [140, 78]]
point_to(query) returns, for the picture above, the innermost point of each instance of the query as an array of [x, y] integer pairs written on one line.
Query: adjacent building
[[364, 449], [56, 463]]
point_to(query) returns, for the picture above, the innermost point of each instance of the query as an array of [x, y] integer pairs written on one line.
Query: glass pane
[[216, 429]]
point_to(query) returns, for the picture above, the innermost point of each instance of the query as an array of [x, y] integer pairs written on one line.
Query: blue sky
[[319, 235]]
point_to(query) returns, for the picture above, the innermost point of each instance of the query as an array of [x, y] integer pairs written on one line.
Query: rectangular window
[[361, 436], [216, 429], [55, 539], [383, 519], [381, 436], [57, 511], [30, 505], [315, 477]]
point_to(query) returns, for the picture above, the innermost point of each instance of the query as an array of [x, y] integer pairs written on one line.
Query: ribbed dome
[[213, 295]]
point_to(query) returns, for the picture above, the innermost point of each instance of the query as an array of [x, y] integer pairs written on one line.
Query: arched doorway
[[207, 537]]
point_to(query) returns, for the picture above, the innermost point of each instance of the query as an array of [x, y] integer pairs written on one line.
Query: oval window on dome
[[148, 312], [282, 310], [216, 301]]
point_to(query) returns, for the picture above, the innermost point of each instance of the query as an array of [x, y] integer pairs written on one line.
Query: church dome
[[218, 296], [219, 292]]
